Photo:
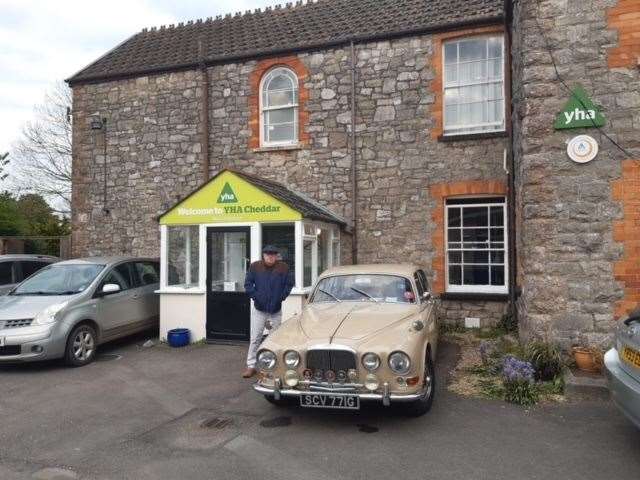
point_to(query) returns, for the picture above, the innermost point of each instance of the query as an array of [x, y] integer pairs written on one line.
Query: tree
[[11, 220], [4, 162], [42, 155]]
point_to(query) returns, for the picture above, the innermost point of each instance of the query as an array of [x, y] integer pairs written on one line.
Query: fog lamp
[[371, 382], [291, 378]]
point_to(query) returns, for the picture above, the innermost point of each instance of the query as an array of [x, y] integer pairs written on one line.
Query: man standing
[[267, 283]]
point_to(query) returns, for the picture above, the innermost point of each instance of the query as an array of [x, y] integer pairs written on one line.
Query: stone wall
[[566, 211], [155, 158]]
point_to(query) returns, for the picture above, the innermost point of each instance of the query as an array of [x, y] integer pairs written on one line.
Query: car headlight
[[291, 359], [400, 363], [370, 361], [48, 315], [266, 360]]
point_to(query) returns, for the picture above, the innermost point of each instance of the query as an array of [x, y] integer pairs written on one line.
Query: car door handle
[[135, 296]]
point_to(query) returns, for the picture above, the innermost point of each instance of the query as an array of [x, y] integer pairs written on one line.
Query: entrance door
[[228, 306]]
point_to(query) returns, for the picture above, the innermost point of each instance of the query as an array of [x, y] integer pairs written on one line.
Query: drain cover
[[217, 423], [108, 357]]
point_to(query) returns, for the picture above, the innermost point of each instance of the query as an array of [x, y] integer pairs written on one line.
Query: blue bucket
[[178, 337]]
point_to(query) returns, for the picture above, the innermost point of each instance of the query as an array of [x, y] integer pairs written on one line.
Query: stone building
[[426, 124]]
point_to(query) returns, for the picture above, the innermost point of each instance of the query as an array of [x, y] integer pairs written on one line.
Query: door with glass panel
[[228, 306]]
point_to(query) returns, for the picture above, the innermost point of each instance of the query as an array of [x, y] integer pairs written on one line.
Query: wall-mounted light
[[98, 123]]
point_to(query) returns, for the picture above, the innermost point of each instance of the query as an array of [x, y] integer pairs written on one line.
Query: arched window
[[279, 107]]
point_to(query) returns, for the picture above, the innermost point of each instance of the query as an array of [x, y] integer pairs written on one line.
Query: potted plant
[[588, 359]]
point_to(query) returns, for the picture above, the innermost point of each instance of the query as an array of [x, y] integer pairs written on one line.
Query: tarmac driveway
[[160, 413]]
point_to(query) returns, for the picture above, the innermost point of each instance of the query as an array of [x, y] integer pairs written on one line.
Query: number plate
[[1, 341], [631, 356], [330, 400]]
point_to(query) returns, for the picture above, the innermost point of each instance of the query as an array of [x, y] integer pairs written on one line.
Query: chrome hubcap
[[83, 346], [428, 384]]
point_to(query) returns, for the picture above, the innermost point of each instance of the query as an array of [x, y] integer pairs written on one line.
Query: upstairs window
[[279, 108], [474, 85]]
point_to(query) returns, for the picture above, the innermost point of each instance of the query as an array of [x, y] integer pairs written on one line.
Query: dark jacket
[[268, 286]]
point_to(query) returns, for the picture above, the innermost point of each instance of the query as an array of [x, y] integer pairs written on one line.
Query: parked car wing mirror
[[110, 288]]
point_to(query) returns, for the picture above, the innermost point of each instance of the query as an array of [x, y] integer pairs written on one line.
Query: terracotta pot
[[586, 360]]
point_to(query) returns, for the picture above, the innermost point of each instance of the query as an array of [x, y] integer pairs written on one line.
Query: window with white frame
[[320, 250], [474, 85], [279, 107], [476, 245], [183, 252]]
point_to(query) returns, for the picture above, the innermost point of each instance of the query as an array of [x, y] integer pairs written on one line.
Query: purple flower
[[514, 370]]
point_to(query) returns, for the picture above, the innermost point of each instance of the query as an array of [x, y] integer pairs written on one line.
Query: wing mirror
[[426, 295], [109, 289]]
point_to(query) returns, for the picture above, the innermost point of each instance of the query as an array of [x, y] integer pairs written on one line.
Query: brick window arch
[[260, 77], [440, 192], [279, 107]]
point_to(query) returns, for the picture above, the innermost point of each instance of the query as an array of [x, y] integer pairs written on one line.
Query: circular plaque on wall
[[582, 149]]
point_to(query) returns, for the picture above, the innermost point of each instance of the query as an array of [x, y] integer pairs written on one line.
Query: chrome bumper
[[625, 390], [386, 398]]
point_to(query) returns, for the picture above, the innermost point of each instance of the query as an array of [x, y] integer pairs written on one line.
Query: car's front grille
[[21, 322], [9, 350], [335, 360]]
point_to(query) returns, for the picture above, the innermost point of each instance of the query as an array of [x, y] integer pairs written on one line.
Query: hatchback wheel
[[81, 346]]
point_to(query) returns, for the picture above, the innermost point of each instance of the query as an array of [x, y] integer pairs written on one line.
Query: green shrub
[[546, 360], [521, 392]]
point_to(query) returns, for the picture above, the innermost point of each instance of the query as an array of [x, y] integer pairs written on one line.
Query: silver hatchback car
[[69, 308], [622, 368]]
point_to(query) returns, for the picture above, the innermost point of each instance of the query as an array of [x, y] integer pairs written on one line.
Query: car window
[[419, 284], [124, 269], [423, 277], [59, 279], [362, 287], [147, 273], [115, 277], [6, 276], [29, 267]]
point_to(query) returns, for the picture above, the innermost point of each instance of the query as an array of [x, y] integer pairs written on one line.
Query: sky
[[45, 41]]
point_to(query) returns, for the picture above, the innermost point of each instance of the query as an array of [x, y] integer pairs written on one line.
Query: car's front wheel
[[81, 346], [423, 404]]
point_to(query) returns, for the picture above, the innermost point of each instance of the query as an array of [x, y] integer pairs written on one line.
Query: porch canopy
[[209, 238]]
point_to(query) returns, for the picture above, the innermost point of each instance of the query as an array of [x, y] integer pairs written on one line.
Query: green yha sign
[[579, 112]]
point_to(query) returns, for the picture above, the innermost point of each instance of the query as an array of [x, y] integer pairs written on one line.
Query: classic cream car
[[368, 332]]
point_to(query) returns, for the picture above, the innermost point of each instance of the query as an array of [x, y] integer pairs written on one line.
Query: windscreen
[[376, 288], [59, 280]]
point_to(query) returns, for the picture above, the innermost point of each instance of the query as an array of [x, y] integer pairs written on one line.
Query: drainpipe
[[354, 180], [511, 203], [204, 113]]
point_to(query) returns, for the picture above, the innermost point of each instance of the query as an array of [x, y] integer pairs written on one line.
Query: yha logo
[[578, 114], [227, 195]]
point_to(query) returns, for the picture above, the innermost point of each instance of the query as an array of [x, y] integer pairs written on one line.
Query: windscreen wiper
[[330, 294], [363, 293]]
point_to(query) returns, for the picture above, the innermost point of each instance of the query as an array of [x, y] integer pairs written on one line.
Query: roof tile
[[293, 27]]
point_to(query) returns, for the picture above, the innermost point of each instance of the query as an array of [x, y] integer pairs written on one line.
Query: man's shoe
[[249, 372]]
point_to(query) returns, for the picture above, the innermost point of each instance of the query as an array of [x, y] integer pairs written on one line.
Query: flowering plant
[[514, 370], [518, 380]]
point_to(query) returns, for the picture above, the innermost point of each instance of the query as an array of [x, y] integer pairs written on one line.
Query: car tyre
[[423, 405], [81, 346]]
